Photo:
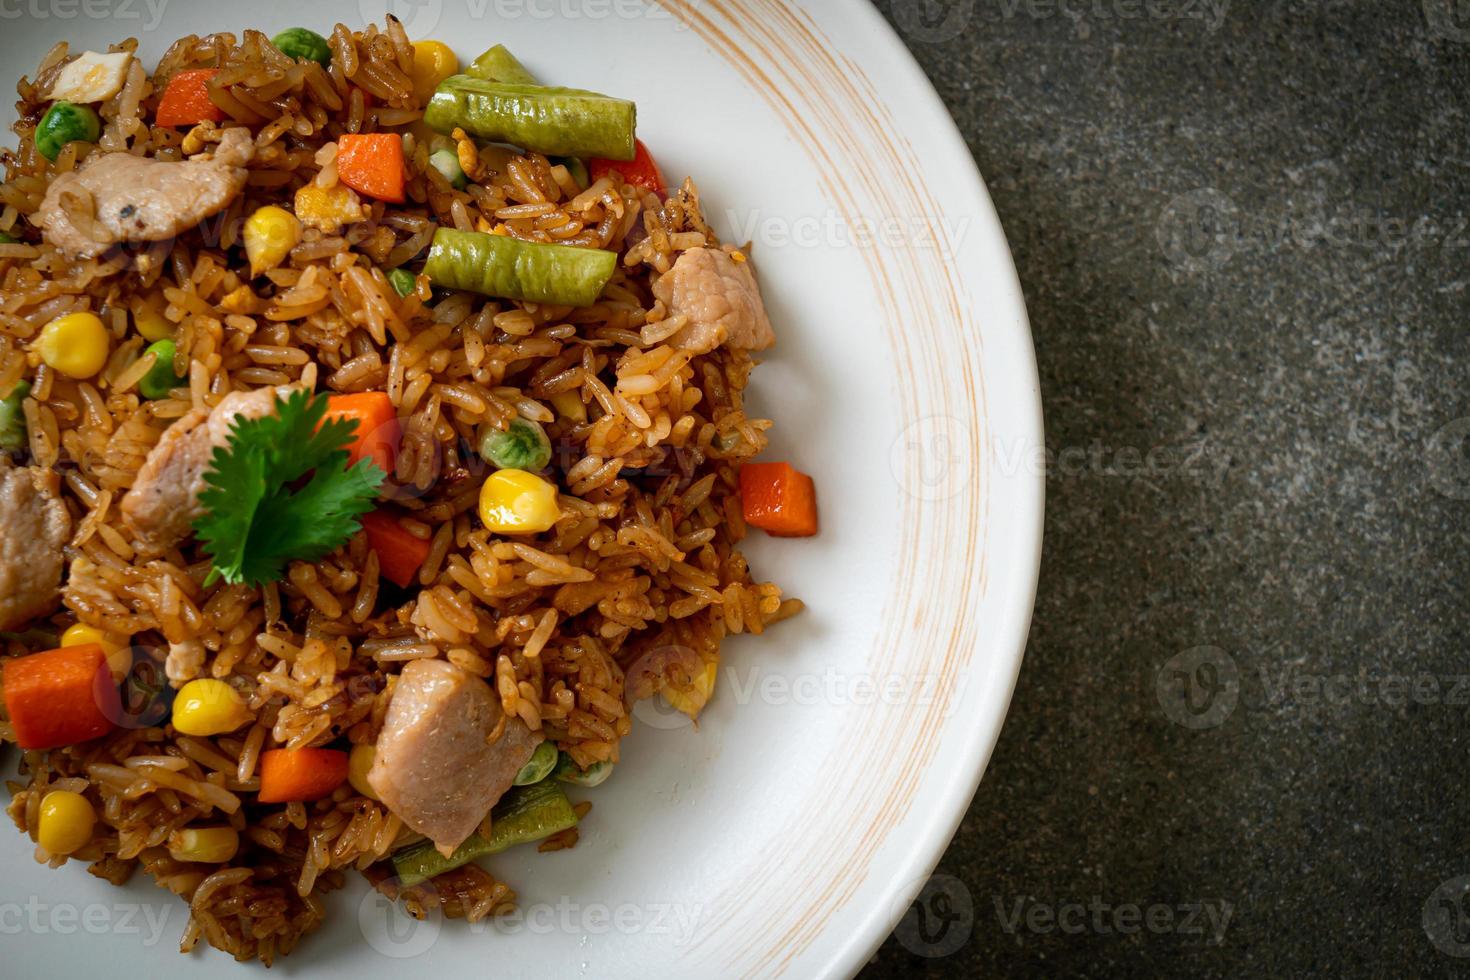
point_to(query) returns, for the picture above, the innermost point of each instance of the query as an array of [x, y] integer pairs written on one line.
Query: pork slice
[[34, 526], [719, 294], [138, 199], [436, 766], [163, 504]]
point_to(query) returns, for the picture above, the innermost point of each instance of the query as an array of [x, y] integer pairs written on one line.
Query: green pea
[[543, 760], [402, 281], [160, 379], [447, 163], [303, 45], [13, 436], [523, 446], [63, 123]]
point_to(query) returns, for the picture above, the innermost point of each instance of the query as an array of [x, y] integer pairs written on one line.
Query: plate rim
[[928, 849]]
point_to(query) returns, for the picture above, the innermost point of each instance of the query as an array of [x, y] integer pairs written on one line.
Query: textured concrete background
[[1243, 229]]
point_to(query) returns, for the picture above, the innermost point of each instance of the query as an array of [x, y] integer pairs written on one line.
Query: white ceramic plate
[[790, 831]]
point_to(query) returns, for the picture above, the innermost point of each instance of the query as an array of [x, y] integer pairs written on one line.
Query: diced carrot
[[60, 697], [641, 171], [372, 164], [298, 775], [778, 499], [400, 554], [377, 434], [186, 100]]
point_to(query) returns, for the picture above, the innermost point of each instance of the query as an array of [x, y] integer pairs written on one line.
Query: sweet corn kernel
[[65, 823], [153, 325], [568, 405], [270, 233], [240, 300], [76, 344], [328, 208], [116, 646], [693, 700], [358, 764], [433, 62], [209, 707], [517, 502], [206, 845], [194, 139]]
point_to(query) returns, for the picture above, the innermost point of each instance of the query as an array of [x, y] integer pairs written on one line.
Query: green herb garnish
[[258, 515]]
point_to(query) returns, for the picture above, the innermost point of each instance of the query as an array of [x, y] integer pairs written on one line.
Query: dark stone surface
[[1245, 245]]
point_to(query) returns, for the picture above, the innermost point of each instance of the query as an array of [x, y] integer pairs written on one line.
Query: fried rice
[[643, 559]]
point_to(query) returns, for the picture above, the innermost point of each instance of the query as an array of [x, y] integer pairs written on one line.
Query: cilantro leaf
[[258, 515]]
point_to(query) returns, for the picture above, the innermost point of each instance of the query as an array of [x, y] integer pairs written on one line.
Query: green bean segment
[[495, 265], [543, 760], [499, 65], [13, 434], [555, 121], [523, 815], [568, 771]]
